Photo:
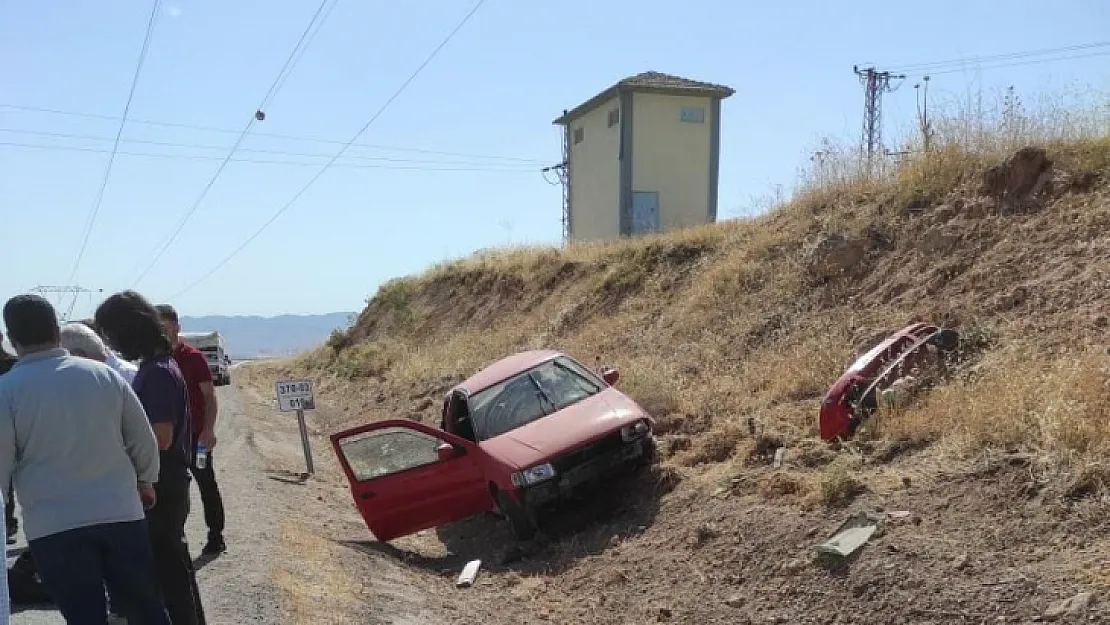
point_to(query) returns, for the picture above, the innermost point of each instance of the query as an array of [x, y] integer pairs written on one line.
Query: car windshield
[[531, 395]]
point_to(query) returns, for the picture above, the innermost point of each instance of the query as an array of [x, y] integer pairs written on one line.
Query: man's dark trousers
[[209, 497], [172, 561], [11, 523], [75, 565]]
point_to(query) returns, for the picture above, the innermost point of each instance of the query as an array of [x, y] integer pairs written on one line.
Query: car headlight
[[534, 475], [637, 430]]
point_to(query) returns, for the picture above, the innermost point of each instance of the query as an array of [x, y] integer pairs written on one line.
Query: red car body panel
[[563, 431], [506, 368], [454, 488], [836, 418], [419, 498]]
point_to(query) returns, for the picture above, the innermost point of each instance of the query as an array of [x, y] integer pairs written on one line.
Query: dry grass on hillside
[[725, 329]]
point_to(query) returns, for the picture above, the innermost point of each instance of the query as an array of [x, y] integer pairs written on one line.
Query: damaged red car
[[853, 396], [521, 434]]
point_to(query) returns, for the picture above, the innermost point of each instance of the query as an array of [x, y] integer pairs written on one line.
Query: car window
[[388, 451], [562, 384], [536, 393]]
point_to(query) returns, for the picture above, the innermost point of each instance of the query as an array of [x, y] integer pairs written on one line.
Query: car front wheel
[[521, 523]]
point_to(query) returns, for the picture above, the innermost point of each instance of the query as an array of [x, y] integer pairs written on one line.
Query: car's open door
[[406, 476]]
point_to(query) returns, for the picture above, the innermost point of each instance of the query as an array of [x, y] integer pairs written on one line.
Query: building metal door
[[645, 212]]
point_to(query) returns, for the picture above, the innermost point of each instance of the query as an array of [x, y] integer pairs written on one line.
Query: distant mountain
[[258, 337]]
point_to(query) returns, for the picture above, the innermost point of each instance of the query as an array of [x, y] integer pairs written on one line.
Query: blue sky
[[492, 91]]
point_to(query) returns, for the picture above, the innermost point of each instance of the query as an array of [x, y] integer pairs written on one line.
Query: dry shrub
[[1058, 408], [836, 485], [714, 446], [1092, 480], [665, 478], [781, 485]]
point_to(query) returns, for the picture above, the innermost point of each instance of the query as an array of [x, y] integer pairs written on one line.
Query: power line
[[259, 115], [307, 44], [270, 135], [1000, 57], [115, 146], [200, 146], [417, 165], [404, 85], [1019, 64]]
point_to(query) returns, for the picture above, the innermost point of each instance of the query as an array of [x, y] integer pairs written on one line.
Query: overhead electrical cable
[[199, 146], [970, 62], [296, 196], [91, 221], [415, 165], [270, 135], [258, 115]]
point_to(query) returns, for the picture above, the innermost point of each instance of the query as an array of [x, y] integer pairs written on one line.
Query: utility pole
[[875, 83], [562, 174], [62, 291], [923, 113]]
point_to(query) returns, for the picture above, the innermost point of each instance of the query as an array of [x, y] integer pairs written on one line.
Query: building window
[[693, 114], [579, 134], [614, 117]]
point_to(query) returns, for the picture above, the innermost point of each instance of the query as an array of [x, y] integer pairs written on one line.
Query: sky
[[490, 95]]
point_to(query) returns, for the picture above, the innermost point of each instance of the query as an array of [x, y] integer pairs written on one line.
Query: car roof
[[506, 368]]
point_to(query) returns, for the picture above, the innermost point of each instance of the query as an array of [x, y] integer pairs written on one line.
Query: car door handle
[[365, 495]]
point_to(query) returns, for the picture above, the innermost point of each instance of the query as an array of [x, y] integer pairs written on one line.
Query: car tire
[[651, 453], [946, 340], [521, 523]]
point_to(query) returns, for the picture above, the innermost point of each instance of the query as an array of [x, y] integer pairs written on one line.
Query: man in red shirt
[[202, 408]]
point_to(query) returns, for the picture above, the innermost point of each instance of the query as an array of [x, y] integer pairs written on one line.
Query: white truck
[[211, 344]]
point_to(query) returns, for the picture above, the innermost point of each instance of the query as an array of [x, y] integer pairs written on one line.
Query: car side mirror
[[447, 451], [611, 375]]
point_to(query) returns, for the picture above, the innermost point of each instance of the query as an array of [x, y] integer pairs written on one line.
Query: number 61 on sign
[[297, 396], [294, 395]]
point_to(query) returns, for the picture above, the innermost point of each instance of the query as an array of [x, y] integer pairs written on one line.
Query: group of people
[[98, 448]]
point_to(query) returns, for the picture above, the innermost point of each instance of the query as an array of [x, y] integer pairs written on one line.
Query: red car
[[520, 434], [852, 397]]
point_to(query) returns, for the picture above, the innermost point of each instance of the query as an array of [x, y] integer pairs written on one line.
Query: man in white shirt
[[79, 340]]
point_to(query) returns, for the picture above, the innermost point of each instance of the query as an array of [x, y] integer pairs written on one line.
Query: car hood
[[572, 427]]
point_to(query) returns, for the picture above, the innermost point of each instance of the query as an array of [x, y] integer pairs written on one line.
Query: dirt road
[[238, 587]]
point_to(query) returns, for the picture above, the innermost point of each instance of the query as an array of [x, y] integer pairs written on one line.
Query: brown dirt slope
[[730, 334]]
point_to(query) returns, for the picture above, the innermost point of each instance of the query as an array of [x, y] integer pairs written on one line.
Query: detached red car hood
[[572, 427]]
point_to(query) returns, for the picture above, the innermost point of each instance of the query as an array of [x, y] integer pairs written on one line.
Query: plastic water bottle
[[202, 456]]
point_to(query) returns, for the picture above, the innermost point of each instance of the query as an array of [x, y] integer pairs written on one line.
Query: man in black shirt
[[7, 361]]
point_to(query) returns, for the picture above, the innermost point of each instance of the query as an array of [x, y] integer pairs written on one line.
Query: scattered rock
[[735, 601], [423, 405], [944, 213], [1073, 606], [794, 566], [833, 255], [938, 240], [960, 562], [663, 614], [703, 534], [1014, 299]]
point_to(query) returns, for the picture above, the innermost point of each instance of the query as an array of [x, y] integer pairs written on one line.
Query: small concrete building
[[643, 156]]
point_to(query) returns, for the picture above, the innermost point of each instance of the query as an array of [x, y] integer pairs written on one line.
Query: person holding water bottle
[[131, 326], [203, 408]]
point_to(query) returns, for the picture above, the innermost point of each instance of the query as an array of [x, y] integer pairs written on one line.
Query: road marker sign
[[298, 396]]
